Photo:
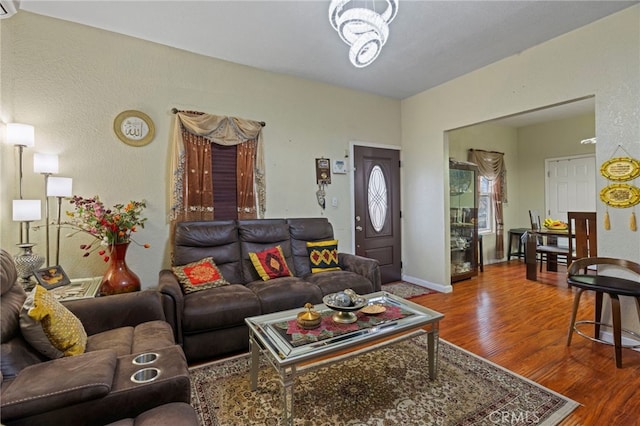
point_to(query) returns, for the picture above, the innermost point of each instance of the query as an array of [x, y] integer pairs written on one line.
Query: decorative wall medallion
[[134, 128], [620, 195], [620, 169]]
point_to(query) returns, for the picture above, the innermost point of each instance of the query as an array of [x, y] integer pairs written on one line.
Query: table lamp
[[26, 211]]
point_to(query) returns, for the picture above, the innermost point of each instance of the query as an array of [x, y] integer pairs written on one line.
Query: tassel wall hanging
[[620, 195]]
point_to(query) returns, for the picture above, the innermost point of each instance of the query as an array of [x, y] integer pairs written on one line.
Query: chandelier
[[365, 30]]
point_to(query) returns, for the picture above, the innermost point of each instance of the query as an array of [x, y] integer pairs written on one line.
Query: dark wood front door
[[377, 208]]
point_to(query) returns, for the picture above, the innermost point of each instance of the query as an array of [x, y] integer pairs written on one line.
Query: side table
[[78, 288]]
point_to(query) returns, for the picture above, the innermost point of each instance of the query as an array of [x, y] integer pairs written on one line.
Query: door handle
[[359, 228]]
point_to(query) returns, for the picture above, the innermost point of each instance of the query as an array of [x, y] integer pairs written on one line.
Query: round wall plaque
[[620, 195], [620, 169], [134, 128]]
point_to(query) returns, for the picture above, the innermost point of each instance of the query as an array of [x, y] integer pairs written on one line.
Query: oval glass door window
[[377, 198]]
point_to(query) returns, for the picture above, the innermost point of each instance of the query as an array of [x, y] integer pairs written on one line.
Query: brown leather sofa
[[210, 323], [94, 387]]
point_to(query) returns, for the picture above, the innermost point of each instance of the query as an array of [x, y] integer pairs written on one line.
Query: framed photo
[[51, 277]]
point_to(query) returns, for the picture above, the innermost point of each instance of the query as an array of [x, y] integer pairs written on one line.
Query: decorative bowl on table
[[309, 319], [555, 225], [345, 303]]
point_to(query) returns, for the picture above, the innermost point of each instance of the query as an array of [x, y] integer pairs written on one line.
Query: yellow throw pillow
[[323, 255], [270, 263], [50, 327]]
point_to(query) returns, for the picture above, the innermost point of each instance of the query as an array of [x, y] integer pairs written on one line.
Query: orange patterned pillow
[[199, 275], [270, 263]]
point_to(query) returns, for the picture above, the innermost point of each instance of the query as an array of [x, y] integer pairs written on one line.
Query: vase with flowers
[[112, 229]]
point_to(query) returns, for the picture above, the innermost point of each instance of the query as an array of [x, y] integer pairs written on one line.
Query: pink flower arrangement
[[107, 226]]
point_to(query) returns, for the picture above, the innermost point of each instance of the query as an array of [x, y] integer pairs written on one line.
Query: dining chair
[[583, 235], [547, 246], [613, 286]]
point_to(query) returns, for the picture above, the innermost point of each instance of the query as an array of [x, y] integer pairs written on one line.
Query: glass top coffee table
[[292, 350]]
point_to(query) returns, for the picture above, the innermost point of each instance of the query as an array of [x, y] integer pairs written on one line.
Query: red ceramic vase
[[119, 278]]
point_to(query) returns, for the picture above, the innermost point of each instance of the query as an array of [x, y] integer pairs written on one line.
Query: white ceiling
[[430, 42]]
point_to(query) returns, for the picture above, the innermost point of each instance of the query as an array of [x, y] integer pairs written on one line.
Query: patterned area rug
[[405, 290], [388, 386]]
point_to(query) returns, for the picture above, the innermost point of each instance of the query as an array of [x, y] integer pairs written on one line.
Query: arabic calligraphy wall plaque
[[134, 128], [620, 169], [620, 195]]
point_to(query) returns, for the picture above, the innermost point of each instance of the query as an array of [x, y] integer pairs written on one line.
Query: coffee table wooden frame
[[289, 362]]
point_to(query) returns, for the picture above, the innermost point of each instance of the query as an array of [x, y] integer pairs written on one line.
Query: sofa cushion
[[171, 414], [199, 275], [117, 339], [50, 327], [59, 383], [323, 255], [270, 263], [334, 281], [148, 336], [303, 230], [218, 308], [152, 335], [260, 234], [285, 293], [16, 355], [217, 239]]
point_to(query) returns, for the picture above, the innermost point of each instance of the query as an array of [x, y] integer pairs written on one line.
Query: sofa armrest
[[172, 301], [59, 383], [368, 268], [100, 314]]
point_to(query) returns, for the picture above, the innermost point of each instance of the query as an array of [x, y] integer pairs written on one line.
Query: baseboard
[[442, 288]]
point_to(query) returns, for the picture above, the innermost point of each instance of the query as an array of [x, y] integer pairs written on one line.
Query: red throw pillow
[[270, 263], [199, 275]]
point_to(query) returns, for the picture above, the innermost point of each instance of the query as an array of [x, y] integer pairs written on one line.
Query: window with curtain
[[217, 168], [492, 168]]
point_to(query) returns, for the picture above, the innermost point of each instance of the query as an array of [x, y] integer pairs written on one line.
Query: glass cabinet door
[[463, 217]]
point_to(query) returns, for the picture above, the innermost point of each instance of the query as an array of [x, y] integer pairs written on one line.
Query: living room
[[55, 79], [70, 81]]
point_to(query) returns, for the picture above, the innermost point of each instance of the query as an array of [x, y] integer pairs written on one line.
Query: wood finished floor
[[522, 326]]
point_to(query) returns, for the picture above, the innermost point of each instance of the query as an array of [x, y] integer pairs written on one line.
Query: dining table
[[530, 238]]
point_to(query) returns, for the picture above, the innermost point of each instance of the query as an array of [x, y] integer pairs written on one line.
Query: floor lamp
[[46, 164], [21, 136], [59, 187]]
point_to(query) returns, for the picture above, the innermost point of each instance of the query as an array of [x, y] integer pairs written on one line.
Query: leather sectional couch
[[94, 387], [210, 323]]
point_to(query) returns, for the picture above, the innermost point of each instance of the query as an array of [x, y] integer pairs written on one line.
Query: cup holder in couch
[[145, 375], [146, 358]]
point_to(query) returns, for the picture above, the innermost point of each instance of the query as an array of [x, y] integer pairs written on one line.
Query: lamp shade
[[45, 163], [26, 210], [59, 186], [21, 134]]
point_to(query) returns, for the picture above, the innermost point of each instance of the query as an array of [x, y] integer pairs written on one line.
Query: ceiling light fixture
[[365, 30]]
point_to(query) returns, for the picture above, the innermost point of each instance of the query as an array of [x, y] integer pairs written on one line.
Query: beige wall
[[536, 143], [70, 82], [601, 59]]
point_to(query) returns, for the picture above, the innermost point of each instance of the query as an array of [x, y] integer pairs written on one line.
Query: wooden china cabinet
[[463, 203]]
